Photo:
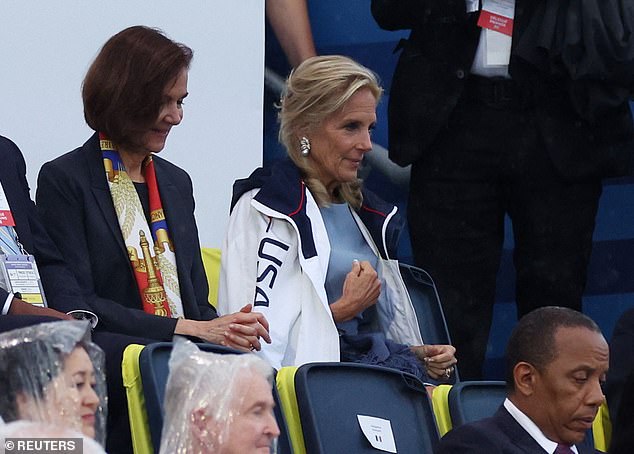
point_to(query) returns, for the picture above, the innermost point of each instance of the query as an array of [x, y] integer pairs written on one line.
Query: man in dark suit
[[523, 137], [557, 359]]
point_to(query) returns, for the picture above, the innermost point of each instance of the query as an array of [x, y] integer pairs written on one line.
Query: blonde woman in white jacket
[[313, 251]]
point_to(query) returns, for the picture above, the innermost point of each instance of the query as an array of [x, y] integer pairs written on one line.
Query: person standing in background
[[288, 42], [522, 119], [291, 25]]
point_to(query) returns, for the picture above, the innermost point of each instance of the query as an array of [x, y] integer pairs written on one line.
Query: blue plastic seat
[[473, 400], [426, 302], [330, 396]]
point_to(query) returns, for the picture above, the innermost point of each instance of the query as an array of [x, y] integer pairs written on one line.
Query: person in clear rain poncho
[[53, 373], [218, 403]]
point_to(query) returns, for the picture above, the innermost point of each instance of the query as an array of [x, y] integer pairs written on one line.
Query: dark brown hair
[[123, 89]]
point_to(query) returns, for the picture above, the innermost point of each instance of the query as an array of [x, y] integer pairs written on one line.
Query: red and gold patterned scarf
[[152, 256]]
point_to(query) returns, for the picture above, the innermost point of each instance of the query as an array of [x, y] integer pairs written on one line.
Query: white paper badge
[[19, 275], [498, 48], [378, 431], [496, 20]]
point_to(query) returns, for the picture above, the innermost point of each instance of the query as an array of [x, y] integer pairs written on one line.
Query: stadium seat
[[602, 429], [466, 402], [331, 397], [440, 404], [211, 261], [285, 383], [426, 302], [139, 426], [473, 400]]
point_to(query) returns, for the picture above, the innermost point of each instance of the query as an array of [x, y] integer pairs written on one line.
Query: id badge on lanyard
[[21, 277], [496, 20], [18, 271]]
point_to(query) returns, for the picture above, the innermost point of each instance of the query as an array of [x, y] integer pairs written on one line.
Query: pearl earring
[[304, 146]]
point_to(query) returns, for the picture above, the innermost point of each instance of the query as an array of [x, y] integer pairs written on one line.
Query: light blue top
[[346, 244], [360, 339]]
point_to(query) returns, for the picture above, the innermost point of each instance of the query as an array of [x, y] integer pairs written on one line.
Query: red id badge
[[497, 15], [6, 218]]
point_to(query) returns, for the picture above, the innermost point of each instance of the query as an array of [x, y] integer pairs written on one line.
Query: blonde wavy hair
[[316, 89]]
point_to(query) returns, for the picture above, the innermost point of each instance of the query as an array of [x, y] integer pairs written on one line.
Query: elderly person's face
[[340, 142], [171, 114], [567, 393], [72, 395], [253, 427]]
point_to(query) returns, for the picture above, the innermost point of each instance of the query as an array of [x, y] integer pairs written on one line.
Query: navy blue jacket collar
[[283, 190]]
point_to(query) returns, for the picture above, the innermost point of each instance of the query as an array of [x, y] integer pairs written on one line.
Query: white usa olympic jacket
[[275, 256]]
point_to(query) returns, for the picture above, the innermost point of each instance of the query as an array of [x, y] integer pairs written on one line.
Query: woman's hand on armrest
[[240, 330], [361, 289]]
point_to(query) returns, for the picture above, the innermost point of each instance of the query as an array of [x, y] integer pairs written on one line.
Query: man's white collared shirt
[[529, 426]]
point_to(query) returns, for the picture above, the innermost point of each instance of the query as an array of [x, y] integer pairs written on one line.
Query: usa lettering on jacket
[[271, 254]]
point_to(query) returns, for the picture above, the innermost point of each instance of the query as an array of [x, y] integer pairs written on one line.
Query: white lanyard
[[472, 5]]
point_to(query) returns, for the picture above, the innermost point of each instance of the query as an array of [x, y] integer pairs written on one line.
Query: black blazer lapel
[[516, 433], [523, 440], [100, 189]]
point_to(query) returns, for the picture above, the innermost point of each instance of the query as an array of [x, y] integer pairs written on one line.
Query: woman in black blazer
[[123, 217]]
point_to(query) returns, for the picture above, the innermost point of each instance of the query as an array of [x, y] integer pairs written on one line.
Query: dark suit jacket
[[60, 287], [430, 77], [499, 434], [74, 200]]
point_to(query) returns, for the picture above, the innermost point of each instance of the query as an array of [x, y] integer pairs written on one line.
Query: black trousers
[[491, 161]]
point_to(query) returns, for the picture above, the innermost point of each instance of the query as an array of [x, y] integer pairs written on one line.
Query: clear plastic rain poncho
[[47, 431], [46, 374], [203, 399]]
